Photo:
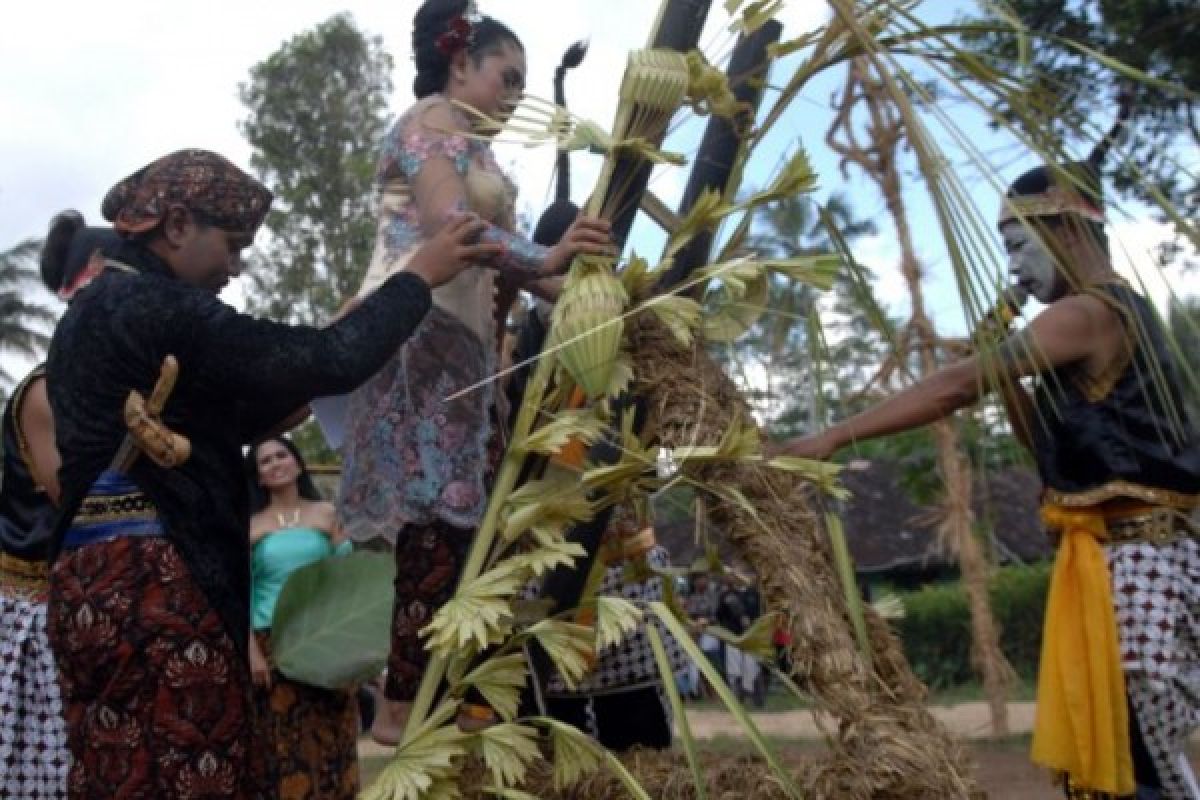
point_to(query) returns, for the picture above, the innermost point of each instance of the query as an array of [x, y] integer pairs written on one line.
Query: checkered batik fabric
[[33, 739], [1156, 592], [630, 663]]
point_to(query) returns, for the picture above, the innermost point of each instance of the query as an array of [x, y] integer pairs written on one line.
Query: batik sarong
[[33, 743], [1156, 594], [157, 698], [310, 736], [429, 560]]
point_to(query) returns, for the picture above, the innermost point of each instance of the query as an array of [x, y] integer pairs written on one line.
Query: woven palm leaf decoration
[[618, 327]]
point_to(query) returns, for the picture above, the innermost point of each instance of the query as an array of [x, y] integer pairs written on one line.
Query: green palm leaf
[[507, 750], [678, 711], [500, 679], [676, 629]]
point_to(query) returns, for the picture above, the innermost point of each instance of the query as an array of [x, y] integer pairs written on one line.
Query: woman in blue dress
[[308, 734]]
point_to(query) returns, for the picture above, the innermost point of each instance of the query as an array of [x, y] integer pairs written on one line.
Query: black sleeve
[[278, 368]]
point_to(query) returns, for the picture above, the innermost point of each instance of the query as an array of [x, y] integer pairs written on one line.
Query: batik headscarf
[[199, 180]]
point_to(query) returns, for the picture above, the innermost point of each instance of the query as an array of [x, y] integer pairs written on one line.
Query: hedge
[[936, 628]]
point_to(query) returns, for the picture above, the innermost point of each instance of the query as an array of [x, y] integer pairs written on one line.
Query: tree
[[801, 377], [884, 124], [318, 109], [23, 323], [1075, 91]]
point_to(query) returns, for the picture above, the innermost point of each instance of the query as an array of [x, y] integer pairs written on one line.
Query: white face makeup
[[1030, 263]]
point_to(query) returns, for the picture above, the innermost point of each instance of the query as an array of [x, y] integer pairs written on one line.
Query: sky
[[106, 87]]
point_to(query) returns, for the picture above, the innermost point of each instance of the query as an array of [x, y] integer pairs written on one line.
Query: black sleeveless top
[[26, 513], [1126, 435]]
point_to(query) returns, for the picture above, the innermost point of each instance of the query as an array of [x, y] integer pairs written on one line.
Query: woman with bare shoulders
[[309, 734]]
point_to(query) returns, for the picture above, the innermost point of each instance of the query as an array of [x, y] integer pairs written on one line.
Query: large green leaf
[[332, 621]]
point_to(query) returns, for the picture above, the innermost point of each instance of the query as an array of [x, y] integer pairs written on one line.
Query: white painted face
[[1030, 263]]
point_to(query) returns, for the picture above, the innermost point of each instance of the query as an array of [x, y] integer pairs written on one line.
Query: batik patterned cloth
[[33, 743], [416, 447], [310, 735], [629, 663], [429, 559], [200, 181], [1156, 592], [157, 699]]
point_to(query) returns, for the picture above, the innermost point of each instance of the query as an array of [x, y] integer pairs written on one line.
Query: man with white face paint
[[1029, 262], [1119, 461]]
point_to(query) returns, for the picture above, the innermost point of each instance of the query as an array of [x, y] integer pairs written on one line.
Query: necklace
[[283, 520]]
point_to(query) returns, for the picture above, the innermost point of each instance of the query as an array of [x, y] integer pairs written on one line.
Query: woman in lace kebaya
[[423, 433]]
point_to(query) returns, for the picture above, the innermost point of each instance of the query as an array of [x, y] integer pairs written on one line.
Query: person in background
[[426, 431], [701, 609], [33, 741], [1119, 461], [309, 734], [741, 668], [148, 611]]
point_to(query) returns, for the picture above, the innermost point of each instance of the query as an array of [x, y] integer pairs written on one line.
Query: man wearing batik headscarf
[[1119, 461], [149, 588]]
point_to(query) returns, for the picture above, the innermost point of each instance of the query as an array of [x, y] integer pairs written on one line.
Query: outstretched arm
[[434, 154], [1065, 333]]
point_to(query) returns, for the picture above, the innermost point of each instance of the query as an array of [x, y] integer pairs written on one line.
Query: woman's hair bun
[[433, 66], [57, 247]]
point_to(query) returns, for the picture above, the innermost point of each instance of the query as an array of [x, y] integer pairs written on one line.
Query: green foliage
[[311, 443], [936, 628], [318, 109], [332, 621], [1158, 37], [805, 375], [23, 324]]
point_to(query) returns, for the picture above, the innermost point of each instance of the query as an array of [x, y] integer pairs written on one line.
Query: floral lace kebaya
[[411, 454]]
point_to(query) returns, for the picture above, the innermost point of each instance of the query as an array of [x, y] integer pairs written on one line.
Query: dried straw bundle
[[886, 744], [664, 776]]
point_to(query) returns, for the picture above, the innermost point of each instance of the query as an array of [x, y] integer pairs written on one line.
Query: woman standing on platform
[[425, 431]]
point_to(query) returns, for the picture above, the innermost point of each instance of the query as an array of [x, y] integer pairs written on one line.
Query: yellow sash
[[1082, 725]]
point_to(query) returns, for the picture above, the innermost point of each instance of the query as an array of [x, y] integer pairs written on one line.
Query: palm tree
[[791, 227], [23, 322]]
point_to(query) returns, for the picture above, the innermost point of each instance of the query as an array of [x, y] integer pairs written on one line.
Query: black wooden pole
[[680, 29], [721, 145], [713, 168]]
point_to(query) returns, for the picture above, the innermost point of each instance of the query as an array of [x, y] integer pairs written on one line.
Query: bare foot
[[390, 720]]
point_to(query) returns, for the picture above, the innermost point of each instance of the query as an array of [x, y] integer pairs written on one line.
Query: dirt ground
[[1002, 765]]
